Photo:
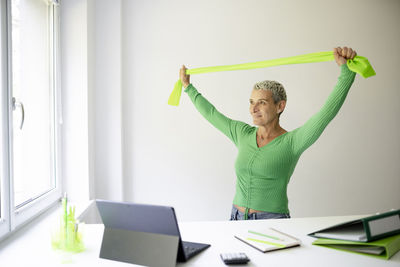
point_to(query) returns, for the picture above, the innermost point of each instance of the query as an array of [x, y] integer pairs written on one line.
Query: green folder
[[382, 248], [364, 229]]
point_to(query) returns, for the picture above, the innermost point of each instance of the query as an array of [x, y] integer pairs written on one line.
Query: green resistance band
[[359, 64]]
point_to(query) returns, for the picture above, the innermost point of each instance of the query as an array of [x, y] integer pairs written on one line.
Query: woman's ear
[[281, 106]]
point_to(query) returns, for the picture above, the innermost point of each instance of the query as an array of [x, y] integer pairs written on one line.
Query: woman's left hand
[[343, 54], [185, 78]]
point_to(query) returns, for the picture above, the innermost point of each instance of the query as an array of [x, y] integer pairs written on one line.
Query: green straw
[[359, 64]]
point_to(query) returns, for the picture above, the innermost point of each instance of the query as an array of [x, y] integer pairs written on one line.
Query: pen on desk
[[286, 234], [269, 236], [266, 242]]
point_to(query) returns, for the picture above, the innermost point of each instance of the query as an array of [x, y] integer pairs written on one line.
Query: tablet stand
[[141, 248]]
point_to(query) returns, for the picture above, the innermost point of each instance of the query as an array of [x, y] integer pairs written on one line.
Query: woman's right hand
[[185, 78], [342, 54]]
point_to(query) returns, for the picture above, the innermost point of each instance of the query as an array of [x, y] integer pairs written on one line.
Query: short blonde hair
[[278, 92]]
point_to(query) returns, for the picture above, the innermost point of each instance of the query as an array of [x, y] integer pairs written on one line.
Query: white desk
[[31, 246]]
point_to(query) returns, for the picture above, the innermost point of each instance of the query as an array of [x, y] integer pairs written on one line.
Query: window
[[30, 97]]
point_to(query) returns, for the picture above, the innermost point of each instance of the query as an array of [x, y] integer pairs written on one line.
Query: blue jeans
[[262, 215]]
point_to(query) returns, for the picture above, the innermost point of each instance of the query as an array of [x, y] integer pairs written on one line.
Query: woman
[[267, 153]]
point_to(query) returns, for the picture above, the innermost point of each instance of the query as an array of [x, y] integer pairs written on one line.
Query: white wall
[[172, 156], [91, 85], [74, 87], [105, 106]]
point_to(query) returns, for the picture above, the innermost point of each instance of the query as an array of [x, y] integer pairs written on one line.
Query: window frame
[[13, 217], [5, 225]]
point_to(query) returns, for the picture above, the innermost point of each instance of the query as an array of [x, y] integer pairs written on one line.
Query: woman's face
[[262, 107]]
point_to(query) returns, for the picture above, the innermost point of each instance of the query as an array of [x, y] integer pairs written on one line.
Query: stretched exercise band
[[359, 64]]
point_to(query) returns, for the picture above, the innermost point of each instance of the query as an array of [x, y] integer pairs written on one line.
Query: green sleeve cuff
[[189, 88], [344, 69]]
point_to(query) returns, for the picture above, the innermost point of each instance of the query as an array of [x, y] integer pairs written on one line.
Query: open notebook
[[268, 239]]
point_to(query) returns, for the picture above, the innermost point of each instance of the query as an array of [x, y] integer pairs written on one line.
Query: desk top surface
[[31, 246]]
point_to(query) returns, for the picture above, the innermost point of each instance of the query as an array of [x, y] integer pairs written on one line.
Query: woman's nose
[[255, 108]]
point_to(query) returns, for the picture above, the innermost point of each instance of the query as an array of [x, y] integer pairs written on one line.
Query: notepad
[[268, 239]]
